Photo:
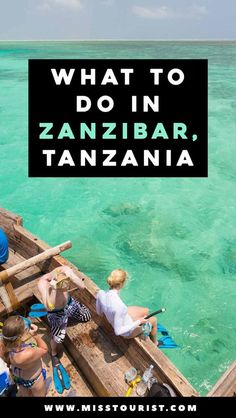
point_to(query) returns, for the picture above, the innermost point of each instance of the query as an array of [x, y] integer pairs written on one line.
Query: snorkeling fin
[[57, 381], [37, 306], [37, 310], [60, 376], [167, 342], [65, 377], [35, 314], [162, 329]]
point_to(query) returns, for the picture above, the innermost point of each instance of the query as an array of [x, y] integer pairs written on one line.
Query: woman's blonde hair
[[117, 278]]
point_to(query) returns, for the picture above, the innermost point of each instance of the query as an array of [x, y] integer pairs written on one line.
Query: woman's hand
[[53, 284], [33, 329], [143, 321]]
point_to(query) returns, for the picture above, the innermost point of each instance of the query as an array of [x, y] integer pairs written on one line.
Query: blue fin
[[65, 376], [35, 314], [57, 381], [37, 306], [167, 342], [60, 376], [162, 329]]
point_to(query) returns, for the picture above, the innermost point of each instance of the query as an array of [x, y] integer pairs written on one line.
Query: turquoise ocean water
[[175, 237]]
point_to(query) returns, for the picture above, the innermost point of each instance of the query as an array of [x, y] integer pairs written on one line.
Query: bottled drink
[[143, 384], [130, 375], [146, 328]]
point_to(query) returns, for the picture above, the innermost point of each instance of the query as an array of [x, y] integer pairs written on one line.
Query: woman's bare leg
[[24, 392], [137, 312], [54, 347], [153, 333], [39, 388]]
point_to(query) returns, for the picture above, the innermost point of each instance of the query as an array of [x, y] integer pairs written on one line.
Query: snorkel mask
[[27, 322]]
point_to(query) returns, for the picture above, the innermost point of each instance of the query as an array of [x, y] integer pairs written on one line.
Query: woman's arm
[[32, 354], [73, 277], [120, 312], [41, 343], [98, 303], [43, 287]]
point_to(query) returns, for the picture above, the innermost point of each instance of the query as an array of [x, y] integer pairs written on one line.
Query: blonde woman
[[24, 360], [126, 321]]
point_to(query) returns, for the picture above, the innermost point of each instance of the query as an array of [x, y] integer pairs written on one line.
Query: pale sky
[[117, 19]]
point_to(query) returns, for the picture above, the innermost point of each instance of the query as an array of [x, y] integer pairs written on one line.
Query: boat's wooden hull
[[101, 356]]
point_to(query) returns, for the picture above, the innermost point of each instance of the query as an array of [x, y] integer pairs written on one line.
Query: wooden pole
[[7, 293], [51, 252], [5, 298]]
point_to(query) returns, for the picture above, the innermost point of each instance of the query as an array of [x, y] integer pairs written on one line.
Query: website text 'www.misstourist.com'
[[119, 408]]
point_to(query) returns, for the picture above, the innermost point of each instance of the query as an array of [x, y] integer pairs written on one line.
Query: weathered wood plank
[[13, 299], [79, 384], [45, 255], [99, 358], [8, 221], [23, 293], [226, 385], [8, 218], [24, 276], [28, 245], [4, 297]]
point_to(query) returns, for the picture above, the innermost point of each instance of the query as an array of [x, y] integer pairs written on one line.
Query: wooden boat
[[226, 385], [99, 357]]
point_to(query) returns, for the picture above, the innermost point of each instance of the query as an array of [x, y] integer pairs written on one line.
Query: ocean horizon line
[[117, 40]]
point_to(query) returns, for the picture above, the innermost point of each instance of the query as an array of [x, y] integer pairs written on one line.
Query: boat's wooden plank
[[5, 297], [79, 384], [13, 299], [23, 293], [23, 242], [7, 219], [226, 385], [21, 281], [32, 261], [99, 358], [28, 245], [29, 274]]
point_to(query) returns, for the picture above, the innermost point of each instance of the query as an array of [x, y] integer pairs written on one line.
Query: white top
[[115, 311]]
